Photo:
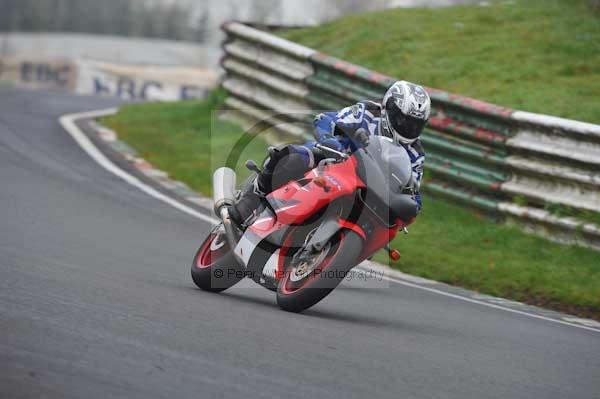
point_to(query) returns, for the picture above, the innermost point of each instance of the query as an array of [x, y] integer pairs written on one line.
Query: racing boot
[[255, 192], [250, 200]]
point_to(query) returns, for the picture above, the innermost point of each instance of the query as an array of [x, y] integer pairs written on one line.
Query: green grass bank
[[534, 55]]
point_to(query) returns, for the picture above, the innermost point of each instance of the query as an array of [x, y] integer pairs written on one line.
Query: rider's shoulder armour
[[373, 107]]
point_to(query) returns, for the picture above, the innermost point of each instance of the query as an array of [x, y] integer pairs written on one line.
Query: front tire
[[215, 268], [295, 295]]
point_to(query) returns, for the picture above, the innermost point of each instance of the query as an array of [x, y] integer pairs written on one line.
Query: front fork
[[231, 232]]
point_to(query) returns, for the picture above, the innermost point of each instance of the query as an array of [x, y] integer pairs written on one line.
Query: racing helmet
[[406, 108]]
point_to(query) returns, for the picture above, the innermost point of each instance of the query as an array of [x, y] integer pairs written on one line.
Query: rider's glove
[[360, 137]]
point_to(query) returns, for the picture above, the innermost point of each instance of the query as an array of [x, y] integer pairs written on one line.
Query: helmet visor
[[406, 126]]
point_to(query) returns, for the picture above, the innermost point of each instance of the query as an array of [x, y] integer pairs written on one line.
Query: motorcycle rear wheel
[[295, 295]]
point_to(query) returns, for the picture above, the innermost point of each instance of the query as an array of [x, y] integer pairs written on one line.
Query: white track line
[[68, 123], [490, 305]]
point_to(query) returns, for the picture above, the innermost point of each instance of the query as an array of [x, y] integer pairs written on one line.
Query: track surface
[[96, 302]]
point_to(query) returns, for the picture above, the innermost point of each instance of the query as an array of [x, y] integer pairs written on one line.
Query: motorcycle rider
[[402, 115]]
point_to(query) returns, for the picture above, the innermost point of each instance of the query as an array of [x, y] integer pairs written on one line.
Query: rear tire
[[215, 268], [294, 296]]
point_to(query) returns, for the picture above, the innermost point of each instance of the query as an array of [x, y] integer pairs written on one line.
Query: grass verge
[[534, 55], [186, 139], [447, 243]]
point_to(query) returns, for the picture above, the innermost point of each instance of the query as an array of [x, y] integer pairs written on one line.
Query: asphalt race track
[[96, 302]]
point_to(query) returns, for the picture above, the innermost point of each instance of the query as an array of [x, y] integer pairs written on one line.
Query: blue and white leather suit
[[333, 129]]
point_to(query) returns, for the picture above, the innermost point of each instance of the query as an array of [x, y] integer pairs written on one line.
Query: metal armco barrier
[[528, 167]]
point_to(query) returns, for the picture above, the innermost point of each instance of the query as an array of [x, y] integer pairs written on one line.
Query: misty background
[[193, 21], [188, 20]]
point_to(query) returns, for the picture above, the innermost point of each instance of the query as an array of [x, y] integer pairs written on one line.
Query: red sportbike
[[307, 235]]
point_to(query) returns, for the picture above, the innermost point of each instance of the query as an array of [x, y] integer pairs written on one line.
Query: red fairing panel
[[352, 226], [295, 203], [379, 237]]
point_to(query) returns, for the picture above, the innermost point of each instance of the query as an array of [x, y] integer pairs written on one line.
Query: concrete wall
[[125, 81], [102, 48], [131, 69], [145, 83]]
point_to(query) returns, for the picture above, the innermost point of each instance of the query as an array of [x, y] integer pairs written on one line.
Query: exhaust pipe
[[223, 188], [224, 196]]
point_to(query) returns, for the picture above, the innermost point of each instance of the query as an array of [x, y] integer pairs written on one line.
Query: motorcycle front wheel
[[215, 268], [305, 284]]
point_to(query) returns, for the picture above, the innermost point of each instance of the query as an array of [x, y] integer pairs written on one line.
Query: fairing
[[295, 202]]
